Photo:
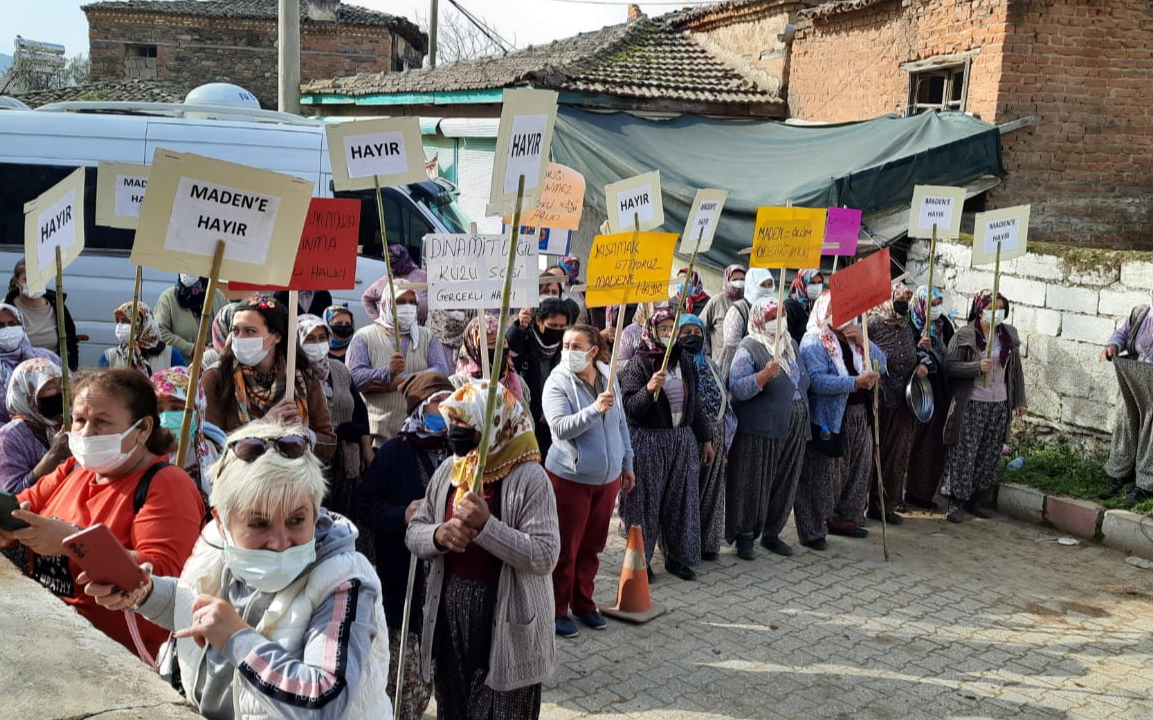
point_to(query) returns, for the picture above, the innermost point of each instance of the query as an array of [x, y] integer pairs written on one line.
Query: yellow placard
[[630, 267], [194, 201], [362, 152], [120, 191], [788, 237], [54, 220]]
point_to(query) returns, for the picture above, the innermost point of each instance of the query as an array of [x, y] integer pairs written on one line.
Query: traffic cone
[[633, 601]]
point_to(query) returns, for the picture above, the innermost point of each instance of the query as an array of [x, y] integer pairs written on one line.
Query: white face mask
[[814, 290], [315, 352], [406, 316], [936, 312], [577, 361], [738, 285], [30, 294], [268, 570], [1000, 317], [189, 280], [249, 351], [101, 454], [11, 338], [123, 331]]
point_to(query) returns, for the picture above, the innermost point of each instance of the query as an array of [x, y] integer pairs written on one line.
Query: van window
[[405, 227], [20, 184]]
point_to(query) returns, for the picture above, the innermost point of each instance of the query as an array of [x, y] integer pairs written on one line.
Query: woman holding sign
[[978, 422], [927, 463], [404, 269], [806, 289]]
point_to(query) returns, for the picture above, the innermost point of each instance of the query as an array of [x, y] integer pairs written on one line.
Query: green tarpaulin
[[870, 165]]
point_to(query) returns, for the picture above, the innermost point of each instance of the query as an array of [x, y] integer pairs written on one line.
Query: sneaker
[[848, 530], [818, 544], [776, 545], [684, 572], [710, 556], [1114, 488], [566, 628], [592, 620], [745, 548]]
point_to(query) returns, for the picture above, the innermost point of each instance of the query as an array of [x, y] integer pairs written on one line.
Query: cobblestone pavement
[[991, 619]]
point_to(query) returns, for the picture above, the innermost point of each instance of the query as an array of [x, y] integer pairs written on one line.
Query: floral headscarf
[[886, 313], [173, 383], [731, 292], [448, 326], [470, 363], [330, 314], [222, 326], [982, 302], [753, 279], [821, 325], [147, 341], [651, 343], [919, 308], [28, 379], [305, 324], [712, 395], [799, 290], [697, 297], [763, 328], [400, 261], [512, 443], [192, 297], [572, 267]]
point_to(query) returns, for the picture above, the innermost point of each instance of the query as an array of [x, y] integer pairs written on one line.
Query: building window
[[939, 88], [140, 61], [140, 51]]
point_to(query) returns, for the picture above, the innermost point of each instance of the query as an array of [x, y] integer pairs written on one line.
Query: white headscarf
[[753, 288]]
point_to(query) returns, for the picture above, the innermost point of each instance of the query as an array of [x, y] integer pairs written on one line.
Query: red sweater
[[163, 533]]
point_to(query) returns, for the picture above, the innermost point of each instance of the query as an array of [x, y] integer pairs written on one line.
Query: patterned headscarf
[[400, 261], [11, 358], [27, 380], [147, 342], [712, 395], [448, 326], [799, 290], [763, 328], [173, 383], [731, 292], [821, 325], [469, 361], [982, 301], [222, 326], [329, 314], [192, 297], [919, 308], [572, 267], [305, 324], [512, 442], [753, 279], [697, 297], [886, 313], [651, 343]]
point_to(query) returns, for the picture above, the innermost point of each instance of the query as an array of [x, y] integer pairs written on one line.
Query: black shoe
[[956, 512], [776, 545], [977, 510], [1136, 495], [710, 556], [745, 548], [818, 544], [1114, 488], [684, 572], [850, 530], [566, 628], [891, 518]]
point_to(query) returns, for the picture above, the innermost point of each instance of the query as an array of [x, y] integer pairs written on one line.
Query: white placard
[[120, 189], [1009, 227], [375, 154], [53, 220], [387, 150], [466, 271], [525, 152], [704, 215], [936, 205], [205, 212], [56, 226], [522, 146], [130, 194], [638, 198]]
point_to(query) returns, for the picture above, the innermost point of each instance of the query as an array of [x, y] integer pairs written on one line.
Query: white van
[[40, 147]]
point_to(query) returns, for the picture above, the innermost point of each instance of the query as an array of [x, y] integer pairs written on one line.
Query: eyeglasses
[[288, 446]]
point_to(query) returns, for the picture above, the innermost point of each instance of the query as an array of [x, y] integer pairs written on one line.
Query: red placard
[[326, 256], [861, 287]]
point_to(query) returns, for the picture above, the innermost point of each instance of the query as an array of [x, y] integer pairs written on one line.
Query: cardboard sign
[[467, 271], [560, 205], [788, 237], [704, 215], [522, 147], [54, 220], [630, 267], [326, 256], [363, 151], [120, 191], [842, 230], [860, 287], [194, 201], [549, 242], [637, 196], [1009, 227], [936, 204]]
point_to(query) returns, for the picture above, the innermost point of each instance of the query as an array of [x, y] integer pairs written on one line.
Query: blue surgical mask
[[173, 419], [268, 570], [435, 422]]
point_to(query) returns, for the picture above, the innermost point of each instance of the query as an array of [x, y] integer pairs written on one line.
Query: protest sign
[[1009, 227], [704, 215], [54, 220], [842, 230], [560, 205], [630, 267], [860, 287], [387, 150], [636, 198], [936, 205], [788, 237], [193, 201], [326, 256], [549, 242], [467, 271], [119, 193], [522, 147]]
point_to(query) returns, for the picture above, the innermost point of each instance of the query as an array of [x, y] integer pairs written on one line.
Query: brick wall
[[197, 50]]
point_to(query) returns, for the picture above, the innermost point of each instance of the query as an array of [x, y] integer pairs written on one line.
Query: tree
[[459, 39], [26, 75]]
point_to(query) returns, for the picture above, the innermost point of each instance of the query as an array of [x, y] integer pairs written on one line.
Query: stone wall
[[1065, 303]]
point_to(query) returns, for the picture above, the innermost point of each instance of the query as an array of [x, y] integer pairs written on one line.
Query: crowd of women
[[277, 559]]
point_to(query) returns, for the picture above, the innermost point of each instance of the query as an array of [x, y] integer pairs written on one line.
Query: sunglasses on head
[[288, 446]]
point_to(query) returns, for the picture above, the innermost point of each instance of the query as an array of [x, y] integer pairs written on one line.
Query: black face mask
[[692, 344], [462, 440], [901, 307], [551, 336], [343, 331], [51, 406]]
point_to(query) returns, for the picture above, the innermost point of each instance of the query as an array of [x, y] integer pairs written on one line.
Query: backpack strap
[[145, 483]]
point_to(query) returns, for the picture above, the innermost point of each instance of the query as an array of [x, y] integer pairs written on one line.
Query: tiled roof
[[836, 7], [264, 10], [112, 91], [645, 58]]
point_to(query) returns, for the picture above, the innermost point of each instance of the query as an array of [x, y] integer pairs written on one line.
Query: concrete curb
[[1022, 502], [1085, 519], [1129, 531]]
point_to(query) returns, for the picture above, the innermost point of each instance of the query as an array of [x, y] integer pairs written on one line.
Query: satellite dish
[[222, 94]]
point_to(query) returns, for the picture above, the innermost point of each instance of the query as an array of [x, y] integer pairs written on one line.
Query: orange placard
[[860, 287]]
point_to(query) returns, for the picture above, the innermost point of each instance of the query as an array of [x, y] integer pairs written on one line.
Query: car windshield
[[448, 211]]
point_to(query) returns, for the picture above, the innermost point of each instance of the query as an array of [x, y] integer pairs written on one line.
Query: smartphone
[[97, 551], [8, 503]]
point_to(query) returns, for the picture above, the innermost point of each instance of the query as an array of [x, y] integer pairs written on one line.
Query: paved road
[[992, 619]]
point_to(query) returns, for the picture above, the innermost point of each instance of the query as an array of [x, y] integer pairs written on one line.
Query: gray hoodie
[[588, 446]]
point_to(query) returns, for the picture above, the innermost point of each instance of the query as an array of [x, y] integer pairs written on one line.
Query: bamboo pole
[[868, 348], [929, 299], [198, 356], [993, 307], [482, 332], [62, 338], [387, 259], [680, 308], [132, 322]]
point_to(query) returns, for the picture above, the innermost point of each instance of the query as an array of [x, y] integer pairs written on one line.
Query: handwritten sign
[[326, 257], [194, 201], [636, 198], [467, 271], [789, 237], [1009, 227], [936, 205], [630, 267], [842, 230], [120, 191], [54, 220], [522, 147], [704, 215], [860, 287], [365, 151], [560, 205]]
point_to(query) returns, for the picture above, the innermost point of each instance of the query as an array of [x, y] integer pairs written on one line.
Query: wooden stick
[[482, 327], [876, 436], [494, 379], [680, 308], [198, 357], [387, 260], [290, 361], [993, 322], [835, 259], [62, 338], [780, 315], [132, 321], [404, 629], [624, 305], [929, 299]]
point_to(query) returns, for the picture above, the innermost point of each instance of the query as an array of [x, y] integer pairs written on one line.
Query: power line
[[504, 45]]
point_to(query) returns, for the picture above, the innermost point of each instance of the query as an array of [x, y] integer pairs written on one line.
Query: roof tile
[[135, 90]]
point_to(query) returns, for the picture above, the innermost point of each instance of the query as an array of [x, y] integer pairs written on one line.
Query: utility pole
[[288, 57], [432, 34]]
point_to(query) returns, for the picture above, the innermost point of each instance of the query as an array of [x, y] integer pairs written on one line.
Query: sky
[[532, 22]]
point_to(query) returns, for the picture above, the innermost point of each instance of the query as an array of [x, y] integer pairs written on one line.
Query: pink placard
[[842, 228]]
